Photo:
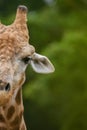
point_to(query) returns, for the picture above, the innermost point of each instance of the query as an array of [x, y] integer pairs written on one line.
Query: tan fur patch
[[22, 80], [23, 127], [11, 111]]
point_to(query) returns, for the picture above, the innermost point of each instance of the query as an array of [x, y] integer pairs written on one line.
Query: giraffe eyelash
[[26, 59]]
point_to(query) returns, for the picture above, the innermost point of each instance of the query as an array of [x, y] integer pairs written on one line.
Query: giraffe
[[15, 55]]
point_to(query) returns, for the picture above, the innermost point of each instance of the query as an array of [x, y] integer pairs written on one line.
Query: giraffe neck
[[11, 115]]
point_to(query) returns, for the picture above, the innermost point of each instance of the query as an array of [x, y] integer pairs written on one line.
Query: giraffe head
[[16, 54]]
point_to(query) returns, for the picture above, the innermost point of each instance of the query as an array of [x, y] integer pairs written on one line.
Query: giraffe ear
[[41, 64]]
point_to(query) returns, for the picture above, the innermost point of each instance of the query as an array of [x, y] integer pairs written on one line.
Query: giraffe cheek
[[22, 80], [23, 127], [4, 98], [18, 97], [11, 111]]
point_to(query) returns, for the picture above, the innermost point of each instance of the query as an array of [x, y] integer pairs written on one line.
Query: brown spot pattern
[[2, 119], [18, 97], [4, 107], [20, 116], [16, 128], [16, 121], [11, 111], [3, 128]]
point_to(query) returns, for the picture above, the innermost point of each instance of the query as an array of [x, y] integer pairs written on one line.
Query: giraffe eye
[[26, 60]]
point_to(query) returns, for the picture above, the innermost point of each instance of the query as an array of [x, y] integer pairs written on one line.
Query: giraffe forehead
[[14, 39], [9, 47], [6, 48]]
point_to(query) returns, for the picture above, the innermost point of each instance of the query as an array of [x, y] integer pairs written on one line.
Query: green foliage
[[43, 25], [66, 6], [62, 95]]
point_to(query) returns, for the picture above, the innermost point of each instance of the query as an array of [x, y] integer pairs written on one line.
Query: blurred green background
[[58, 29]]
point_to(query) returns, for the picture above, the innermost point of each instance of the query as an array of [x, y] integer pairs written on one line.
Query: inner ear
[[41, 64]]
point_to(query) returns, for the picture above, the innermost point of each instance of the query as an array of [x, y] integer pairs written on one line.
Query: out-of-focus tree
[[58, 101], [69, 5]]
